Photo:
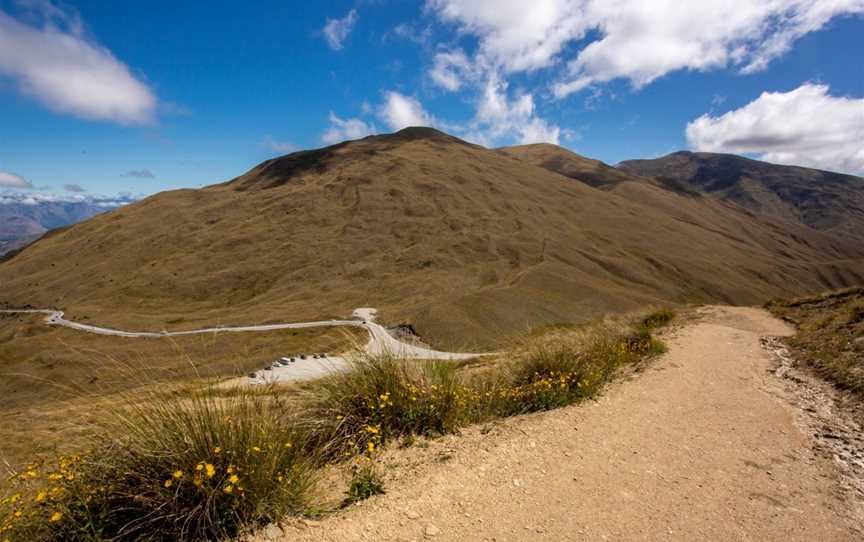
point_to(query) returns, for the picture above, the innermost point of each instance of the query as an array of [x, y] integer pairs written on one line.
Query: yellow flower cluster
[[45, 486]]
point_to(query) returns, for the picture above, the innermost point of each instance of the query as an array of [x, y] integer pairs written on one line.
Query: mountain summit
[[458, 240]]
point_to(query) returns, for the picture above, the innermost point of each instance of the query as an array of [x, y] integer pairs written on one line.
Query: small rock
[[410, 514], [431, 531], [271, 533]]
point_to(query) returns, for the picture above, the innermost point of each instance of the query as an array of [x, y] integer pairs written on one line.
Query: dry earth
[[708, 443]]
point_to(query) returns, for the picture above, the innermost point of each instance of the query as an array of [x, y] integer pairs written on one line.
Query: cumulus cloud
[[499, 117], [140, 173], [343, 129], [336, 31], [511, 35], [450, 69], [641, 45], [399, 111], [636, 40], [806, 126], [57, 65], [283, 147], [74, 188], [10, 180]]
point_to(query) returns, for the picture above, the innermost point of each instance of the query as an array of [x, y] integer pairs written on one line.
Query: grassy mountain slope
[[824, 200], [464, 242]]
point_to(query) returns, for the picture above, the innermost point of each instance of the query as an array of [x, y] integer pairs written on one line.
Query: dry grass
[[465, 243], [830, 335], [52, 379], [208, 463]]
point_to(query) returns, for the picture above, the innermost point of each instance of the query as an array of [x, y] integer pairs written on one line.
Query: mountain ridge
[[463, 242]]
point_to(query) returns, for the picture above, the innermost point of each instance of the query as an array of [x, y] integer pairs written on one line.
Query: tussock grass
[[210, 463], [170, 468], [380, 398]]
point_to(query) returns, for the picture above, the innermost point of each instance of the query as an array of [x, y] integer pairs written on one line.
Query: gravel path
[[703, 445], [380, 340]]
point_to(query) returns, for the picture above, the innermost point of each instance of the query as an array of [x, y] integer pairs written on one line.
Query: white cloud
[[498, 117], [336, 31], [642, 44], [10, 180], [450, 68], [283, 147], [806, 126], [638, 40], [399, 111], [58, 66], [513, 35], [343, 129]]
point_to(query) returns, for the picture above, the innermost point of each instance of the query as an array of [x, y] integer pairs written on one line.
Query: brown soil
[[706, 444]]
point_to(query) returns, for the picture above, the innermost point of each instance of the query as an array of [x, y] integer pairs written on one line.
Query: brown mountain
[[824, 200], [466, 243]]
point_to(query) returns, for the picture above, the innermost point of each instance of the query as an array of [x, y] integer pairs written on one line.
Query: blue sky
[[137, 97]]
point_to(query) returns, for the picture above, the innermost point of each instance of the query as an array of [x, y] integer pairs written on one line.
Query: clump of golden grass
[[380, 398], [169, 467], [209, 463]]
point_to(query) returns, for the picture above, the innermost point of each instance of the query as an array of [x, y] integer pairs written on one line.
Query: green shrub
[[366, 481]]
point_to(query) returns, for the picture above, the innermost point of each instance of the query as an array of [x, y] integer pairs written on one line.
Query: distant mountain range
[[827, 201], [25, 216], [464, 243]]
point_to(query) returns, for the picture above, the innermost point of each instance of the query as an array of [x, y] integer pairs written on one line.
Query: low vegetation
[[830, 336], [212, 464]]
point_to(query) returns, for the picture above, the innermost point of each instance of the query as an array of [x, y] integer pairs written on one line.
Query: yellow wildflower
[[210, 470], [41, 496], [288, 445], [256, 449], [178, 474], [233, 478], [56, 516], [168, 482], [217, 450], [370, 446], [228, 489]]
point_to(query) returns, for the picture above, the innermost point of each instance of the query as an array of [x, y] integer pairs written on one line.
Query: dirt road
[[703, 445]]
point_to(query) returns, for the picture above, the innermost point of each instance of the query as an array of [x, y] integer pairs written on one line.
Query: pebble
[[431, 531], [410, 514]]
